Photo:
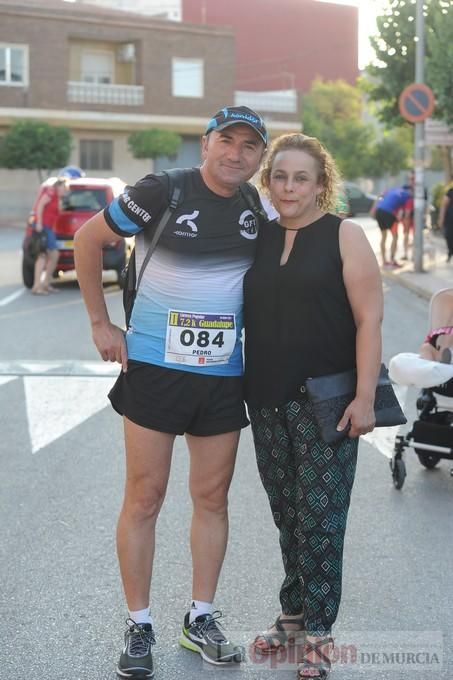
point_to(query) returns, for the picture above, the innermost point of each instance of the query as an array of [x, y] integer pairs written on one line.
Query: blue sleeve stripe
[[120, 219]]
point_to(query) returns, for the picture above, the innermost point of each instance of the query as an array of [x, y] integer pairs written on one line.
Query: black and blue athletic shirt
[[188, 313]]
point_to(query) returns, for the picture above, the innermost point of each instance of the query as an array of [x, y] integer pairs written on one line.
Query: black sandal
[[319, 669], [283, 636]]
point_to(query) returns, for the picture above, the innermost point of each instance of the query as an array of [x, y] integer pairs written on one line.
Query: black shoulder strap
[[175, 178], [252, 198]]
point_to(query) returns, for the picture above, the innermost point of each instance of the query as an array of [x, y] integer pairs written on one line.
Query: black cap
[[232, 115]]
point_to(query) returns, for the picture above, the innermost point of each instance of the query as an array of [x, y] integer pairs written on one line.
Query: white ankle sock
[[198, 608], [141, 616]]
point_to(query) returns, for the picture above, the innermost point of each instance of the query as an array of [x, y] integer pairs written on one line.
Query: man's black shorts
[[385, 219], [173, 401]]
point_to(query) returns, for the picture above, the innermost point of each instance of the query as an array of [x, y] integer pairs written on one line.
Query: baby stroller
[[431, 435]]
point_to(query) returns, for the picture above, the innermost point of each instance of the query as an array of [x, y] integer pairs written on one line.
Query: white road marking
[[55, 405], [383, 438], [62, 367], [10, 298], [33, 367], [61, 394], [6, 379]]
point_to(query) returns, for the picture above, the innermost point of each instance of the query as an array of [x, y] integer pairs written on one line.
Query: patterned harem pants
[[309, 485]]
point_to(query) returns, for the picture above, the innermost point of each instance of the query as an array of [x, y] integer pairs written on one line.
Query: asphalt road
[[61, 478]]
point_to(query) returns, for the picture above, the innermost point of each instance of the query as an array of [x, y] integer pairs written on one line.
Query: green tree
[[153, 143], [392, 153], [395, 61], [34, 145], [332, 112], [335, 99], [395, 48], [440, 64], [394, 67], [440, 72], [350, 143]]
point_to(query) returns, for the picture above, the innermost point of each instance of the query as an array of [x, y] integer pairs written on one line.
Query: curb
[[410, 285]]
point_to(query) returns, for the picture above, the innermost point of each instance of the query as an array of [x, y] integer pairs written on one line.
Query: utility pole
[[419, 144]]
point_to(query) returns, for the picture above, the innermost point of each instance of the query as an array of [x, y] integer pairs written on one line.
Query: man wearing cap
[[181, 363]]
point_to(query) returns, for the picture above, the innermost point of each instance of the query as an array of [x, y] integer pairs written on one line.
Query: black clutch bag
[[331, 394]]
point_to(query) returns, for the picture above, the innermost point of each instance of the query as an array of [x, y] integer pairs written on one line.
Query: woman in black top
[[313, 306]]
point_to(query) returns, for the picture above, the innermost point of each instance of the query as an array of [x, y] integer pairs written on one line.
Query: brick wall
[[48, 38]]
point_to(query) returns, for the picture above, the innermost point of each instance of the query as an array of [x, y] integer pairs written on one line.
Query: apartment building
[[105, 73], [285, 44], [279, 45]]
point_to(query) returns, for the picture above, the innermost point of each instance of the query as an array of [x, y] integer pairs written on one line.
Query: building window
[[13, 64], [98, 67], [187, 78], [96, 154]]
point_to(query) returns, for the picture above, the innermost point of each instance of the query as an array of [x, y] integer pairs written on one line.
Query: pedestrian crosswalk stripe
[[6, 379], [59, 394], [55, 405], [10, 298], [62, 394], [382, 439], [59, 367]]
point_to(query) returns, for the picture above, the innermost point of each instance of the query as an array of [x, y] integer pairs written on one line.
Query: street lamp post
[[419, 143]]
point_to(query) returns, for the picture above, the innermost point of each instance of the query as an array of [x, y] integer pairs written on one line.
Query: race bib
[[199, 339]]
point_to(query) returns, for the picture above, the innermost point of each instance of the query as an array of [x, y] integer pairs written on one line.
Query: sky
[[368, 10]]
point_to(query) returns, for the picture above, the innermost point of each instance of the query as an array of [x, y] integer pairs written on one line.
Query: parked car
[[85, 197], [359, 201]]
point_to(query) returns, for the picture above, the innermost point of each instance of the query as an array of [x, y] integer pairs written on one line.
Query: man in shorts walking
[[181, 363], [386, 211]]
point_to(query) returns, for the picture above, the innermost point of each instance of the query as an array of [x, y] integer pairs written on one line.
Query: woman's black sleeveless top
[[298, 320]]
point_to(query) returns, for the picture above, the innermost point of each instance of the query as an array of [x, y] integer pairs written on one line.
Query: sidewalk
[[437, 274]]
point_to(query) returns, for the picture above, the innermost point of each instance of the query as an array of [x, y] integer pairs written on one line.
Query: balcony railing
[[275, 101], [98, 93]]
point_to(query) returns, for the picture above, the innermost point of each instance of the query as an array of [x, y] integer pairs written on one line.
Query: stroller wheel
[[428, 460], [398, 472]]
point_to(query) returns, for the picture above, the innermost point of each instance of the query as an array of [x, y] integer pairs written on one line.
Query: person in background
[[47, 210], [313, 306], [182, 369], [386, 210], [446, 219]]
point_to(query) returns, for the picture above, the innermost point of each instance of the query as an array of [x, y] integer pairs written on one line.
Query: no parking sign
[[416, 102]]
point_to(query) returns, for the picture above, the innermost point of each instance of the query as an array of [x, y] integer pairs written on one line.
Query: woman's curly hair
[[328, 175]]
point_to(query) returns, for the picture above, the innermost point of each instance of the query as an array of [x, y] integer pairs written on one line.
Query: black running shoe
[[205, 637], [136, 661]]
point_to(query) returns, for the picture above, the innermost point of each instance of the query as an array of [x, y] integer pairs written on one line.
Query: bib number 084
[[198, 338], [201, 338]]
